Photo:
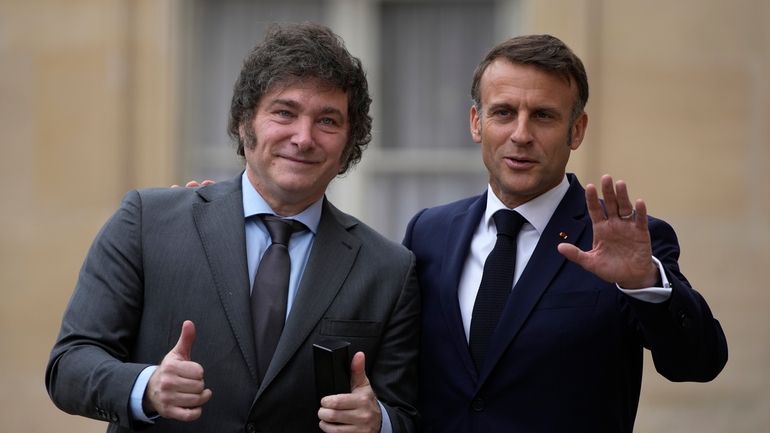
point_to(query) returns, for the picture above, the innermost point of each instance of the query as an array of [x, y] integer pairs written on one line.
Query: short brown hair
[[544, 52]]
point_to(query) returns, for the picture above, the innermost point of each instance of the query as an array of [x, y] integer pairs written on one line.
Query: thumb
[[358, 377], [186, 340], [570, 252]]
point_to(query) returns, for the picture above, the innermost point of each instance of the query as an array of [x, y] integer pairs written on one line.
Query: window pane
[[429, 52], [392, 200], [222, 32]]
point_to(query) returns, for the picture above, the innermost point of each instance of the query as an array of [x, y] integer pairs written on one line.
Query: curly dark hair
[[545, 52], [293, 52]]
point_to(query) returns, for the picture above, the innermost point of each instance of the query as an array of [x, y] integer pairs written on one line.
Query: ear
[[578, 130], [475, 122]]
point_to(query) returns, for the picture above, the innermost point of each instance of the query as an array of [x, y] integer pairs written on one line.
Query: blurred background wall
[[101, 96]]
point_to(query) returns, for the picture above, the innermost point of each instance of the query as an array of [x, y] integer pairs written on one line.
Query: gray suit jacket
[[169, 255]]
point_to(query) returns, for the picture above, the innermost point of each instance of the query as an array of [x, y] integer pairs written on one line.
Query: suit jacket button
[[251, 428], [477, 404]]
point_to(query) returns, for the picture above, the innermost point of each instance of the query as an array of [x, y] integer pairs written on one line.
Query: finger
[[334, 427], [206, 396], [625, 207], [189, 399], [207, 182], [182, 399], [186, 339], [327, 415], [571, 252], [185, 414], [608, 193], [331, 427], [358, 371], [576, 255], [641, 215], [192, 184], [181, 406], [187, 380], [174, 186], [595, 210]]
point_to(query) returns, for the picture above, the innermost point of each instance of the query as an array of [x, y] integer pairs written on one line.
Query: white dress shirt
[[538, 212]]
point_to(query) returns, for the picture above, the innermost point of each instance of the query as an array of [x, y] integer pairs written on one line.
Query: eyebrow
[[285, 102], [499, 105], [290, 103], [535, 108]]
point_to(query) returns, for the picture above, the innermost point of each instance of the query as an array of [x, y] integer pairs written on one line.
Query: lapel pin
[[563, 235]]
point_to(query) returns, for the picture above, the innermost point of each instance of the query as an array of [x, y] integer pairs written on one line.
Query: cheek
[[334, 148], [559, 155], [496, 142]]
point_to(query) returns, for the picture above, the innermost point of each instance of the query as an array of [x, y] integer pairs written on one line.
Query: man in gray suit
[[159, 334]]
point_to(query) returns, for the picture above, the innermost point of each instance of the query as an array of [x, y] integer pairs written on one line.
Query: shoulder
[[447, 211], [370, 239], [170, 199], [438, 217]]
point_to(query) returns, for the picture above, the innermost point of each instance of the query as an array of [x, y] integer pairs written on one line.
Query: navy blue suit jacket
[[567, 355]]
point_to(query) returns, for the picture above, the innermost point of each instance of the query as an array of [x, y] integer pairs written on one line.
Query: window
[[420, 66]]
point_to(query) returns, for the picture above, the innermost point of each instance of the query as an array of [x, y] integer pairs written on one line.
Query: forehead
[[504, 80], [306, 93]]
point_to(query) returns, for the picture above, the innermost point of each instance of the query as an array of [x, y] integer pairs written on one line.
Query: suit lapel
[[220, 223], [459, 235], [542, 268], [332, 257]]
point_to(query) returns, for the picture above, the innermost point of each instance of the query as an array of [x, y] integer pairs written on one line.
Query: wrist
[[650, 279]]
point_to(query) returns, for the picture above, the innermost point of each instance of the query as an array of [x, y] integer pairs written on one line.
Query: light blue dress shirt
[[257, 241], [258, 238]]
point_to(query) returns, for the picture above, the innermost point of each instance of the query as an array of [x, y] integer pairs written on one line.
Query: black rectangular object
[[332, 367]]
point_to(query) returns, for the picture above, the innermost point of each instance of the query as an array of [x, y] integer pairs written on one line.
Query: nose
[[521, 133], [303, 133]]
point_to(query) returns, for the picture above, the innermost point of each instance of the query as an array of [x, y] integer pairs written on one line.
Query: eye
[[502, 112], [284, 113], [327, 121], [543, 115]]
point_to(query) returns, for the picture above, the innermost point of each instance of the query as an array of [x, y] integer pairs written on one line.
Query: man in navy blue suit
[[592, 282]]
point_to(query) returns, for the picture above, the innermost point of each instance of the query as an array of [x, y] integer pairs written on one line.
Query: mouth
[[519, 163], [298, 160]]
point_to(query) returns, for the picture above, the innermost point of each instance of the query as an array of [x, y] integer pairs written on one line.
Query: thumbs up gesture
[[358, 411], [176, 389]]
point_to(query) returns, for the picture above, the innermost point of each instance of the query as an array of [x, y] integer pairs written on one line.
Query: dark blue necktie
[[270, 292], [496, 284]]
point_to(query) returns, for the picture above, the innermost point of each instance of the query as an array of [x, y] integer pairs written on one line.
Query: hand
[[358, 411], [176, 389], [195, 184], [622, 251]]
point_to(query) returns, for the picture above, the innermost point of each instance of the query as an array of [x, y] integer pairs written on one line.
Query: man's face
[[301, 130], [525, 129]]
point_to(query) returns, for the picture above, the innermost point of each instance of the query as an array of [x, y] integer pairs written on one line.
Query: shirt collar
[[537, 211], [254, 204]]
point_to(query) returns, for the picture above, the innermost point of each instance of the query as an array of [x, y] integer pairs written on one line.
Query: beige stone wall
[[86, 112], [680, 108]]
